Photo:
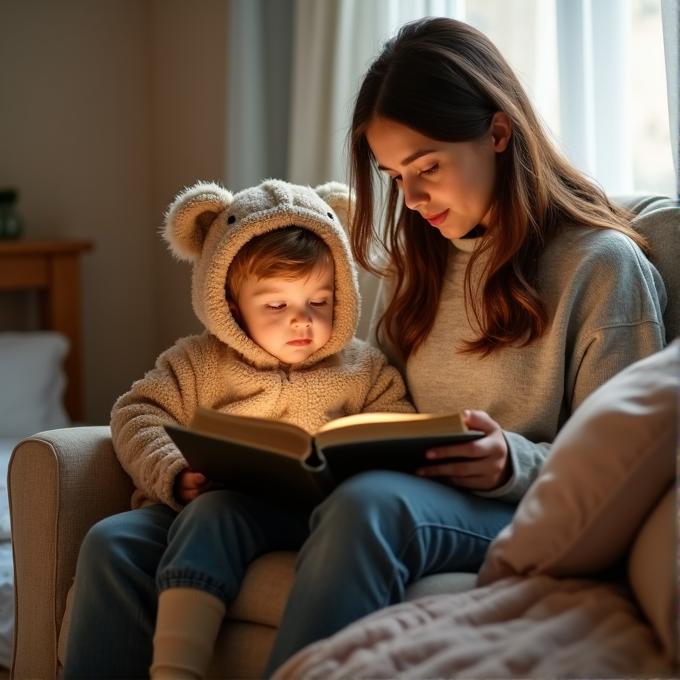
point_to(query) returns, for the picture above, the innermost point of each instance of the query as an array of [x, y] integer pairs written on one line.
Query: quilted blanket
[[538, 627]]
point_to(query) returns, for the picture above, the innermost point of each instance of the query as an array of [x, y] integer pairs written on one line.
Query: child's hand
[[190, 485], [486, 463]]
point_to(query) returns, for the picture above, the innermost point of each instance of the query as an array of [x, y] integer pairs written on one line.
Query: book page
[[375, 426], [273, 435]]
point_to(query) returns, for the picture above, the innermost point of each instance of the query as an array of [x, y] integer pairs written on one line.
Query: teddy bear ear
[[340, 198], [190, 216]]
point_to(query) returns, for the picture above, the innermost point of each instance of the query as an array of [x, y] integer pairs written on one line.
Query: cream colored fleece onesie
[[223, 368]]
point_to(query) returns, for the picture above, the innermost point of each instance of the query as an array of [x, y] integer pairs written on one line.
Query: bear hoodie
[[223, 368]]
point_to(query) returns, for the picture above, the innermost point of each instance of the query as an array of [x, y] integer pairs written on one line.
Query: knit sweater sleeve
[[608, 351], [167, 394]]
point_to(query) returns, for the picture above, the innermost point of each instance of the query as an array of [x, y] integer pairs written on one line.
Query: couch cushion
[[607, 469], [440, 584], [657, 218], [264, 591], [241, 651]]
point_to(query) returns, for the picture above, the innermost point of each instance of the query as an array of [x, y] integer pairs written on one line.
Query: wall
[[108, 109], [189, 98]]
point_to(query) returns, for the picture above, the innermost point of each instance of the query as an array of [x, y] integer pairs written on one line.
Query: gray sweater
[[604, 302]]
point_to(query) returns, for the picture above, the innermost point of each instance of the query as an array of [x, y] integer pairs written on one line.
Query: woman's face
[[451, 184]]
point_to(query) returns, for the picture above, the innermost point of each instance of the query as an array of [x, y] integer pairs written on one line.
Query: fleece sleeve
[[387, 392], [167, 394]]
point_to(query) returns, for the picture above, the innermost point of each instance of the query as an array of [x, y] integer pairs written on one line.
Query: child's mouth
[[300, 342]]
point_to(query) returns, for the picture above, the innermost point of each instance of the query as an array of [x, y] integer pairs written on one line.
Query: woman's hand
[[483, 464], [190, 485]]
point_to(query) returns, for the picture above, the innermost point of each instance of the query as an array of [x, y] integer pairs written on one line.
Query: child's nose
[[302, 320]]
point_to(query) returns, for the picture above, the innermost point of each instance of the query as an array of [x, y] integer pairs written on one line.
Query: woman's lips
[[436, 220], [302, 342]]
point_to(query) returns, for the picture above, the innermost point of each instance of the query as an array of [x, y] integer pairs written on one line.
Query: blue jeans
[[376, 533], [126, 559]]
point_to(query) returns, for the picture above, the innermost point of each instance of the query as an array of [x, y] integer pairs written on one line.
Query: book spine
[[319, 472]]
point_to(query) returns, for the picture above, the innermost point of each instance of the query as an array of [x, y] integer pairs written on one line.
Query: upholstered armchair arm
[[60, 483]]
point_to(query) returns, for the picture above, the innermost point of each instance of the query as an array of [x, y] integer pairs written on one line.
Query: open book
[[284, 463]]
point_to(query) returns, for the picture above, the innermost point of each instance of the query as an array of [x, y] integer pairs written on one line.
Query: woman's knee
[[362, 500]]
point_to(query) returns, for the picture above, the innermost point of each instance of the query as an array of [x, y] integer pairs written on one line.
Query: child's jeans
[[375, 534], [126, 559]]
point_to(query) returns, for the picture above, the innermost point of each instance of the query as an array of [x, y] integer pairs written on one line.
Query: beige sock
[[186, 629]]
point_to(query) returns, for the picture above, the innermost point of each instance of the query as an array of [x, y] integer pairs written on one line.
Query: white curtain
[[334, 42], [593, 46], [670, 18], [295, 65], [294, 69]]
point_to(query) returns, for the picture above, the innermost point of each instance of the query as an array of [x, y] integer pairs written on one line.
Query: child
[[276, 287]]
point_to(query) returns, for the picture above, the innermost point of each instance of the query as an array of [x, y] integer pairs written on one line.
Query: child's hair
[[289, 253], [446, 80]]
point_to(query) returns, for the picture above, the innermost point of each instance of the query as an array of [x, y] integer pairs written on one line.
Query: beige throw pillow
[[651, 571], [607, 469]]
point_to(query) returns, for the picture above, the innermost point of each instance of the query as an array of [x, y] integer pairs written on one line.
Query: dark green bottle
[[10, 223]]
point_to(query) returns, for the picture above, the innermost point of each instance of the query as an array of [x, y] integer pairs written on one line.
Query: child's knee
[[102, 543]]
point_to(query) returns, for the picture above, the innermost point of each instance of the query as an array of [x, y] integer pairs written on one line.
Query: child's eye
[[276, 307], [322, 303], [431, 170]]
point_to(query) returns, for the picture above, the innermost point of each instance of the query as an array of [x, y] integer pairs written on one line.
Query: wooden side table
[[51, 268]]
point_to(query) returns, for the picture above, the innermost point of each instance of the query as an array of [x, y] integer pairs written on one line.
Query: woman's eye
[[275, 307], [431, 170]]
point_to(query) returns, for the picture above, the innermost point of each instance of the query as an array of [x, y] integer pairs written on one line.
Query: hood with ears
[[207, 225]]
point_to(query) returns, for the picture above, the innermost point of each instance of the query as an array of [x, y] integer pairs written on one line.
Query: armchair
[[62, 482]]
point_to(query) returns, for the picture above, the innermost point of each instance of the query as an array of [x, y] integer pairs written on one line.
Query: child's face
[[289, 319]]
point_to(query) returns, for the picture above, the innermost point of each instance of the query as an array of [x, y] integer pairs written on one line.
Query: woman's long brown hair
[[446, 80]]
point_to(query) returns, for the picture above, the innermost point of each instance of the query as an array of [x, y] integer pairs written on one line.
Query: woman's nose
[[414, 196]]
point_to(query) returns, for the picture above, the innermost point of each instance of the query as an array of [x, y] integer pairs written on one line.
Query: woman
[[513, 288]]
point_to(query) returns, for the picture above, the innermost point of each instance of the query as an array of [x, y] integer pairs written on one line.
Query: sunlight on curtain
[[650, 84], [602, 94], [295, 66], [670, 18], [334, 42]]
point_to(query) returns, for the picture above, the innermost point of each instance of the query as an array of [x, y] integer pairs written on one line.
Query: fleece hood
[[207, 224]]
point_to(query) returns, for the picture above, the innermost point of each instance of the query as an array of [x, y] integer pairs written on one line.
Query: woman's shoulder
[[601, 269], [593, 243], [584, 250]]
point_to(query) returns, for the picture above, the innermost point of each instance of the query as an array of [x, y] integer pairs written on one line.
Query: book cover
[[284, 463]]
